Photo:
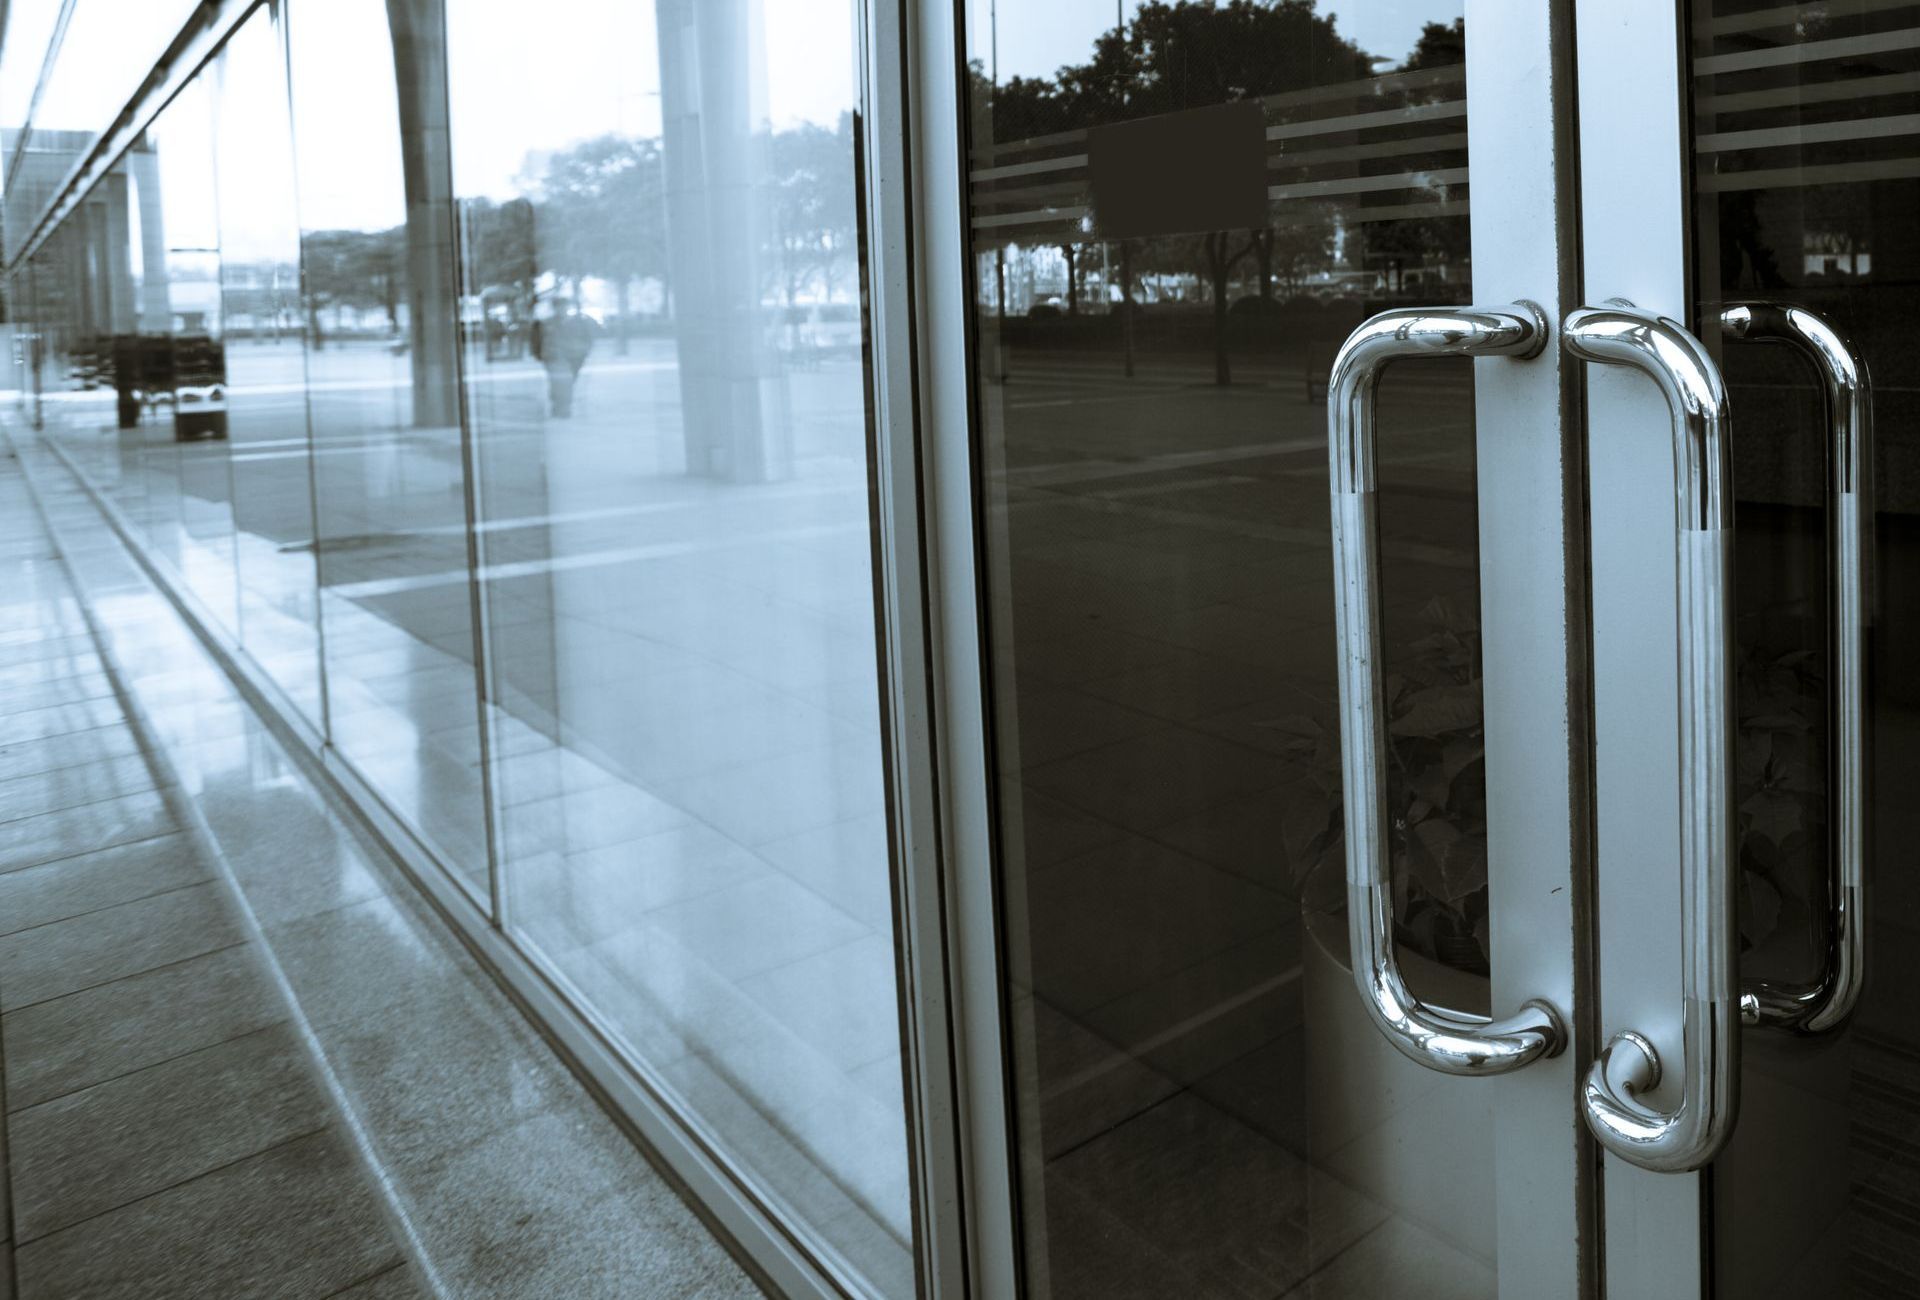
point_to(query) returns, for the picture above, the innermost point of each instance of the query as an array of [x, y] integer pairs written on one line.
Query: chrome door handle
[[1454, 1042], [1671, 1142], [1826, 1003]]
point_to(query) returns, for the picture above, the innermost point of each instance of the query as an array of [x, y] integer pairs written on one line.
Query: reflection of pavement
[[1165, 598]]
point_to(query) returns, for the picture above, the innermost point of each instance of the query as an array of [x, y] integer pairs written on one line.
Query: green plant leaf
[[1306, 817], [1759, 908], [1774, 815], [1432, 784], [1464, 867], [1439, 711], [1460, 755]]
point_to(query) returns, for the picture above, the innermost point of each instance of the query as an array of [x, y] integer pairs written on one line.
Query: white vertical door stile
[[1633, 208], [1531, 594]]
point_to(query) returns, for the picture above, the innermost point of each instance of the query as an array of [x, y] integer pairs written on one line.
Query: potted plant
[[1381, 1121], [1436, 797]]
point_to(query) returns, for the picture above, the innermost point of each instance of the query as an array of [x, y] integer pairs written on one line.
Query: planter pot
[[1418, 1142]]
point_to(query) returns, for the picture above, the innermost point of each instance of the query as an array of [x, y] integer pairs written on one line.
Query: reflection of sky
[[1037, 37], [109, 46], [22, 47], [521, 85], [592, 66]]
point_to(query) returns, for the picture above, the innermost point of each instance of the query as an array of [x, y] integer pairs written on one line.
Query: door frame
[[1534, 581], [1635, 207]]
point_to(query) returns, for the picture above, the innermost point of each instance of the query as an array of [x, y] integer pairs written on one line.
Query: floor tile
[[442, 1071], [59, 720], [70, 787], [590, 1218], [757, 925], [65, 887], [25, 697], [1399, 1258], [115, 942], [90, 827], [396, 1283], [74, 749], [292, 1221], [94, 1150], [1233, 1208], [72, 1042], [356, 961]]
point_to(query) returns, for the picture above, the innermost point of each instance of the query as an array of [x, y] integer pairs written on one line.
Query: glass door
[[1176, 216], [1774, 217], [1806, 177]]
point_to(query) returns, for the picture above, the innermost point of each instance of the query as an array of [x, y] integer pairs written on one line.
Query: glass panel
[[1807, 184], [30, 178], [104, 52], [25, 29], [1203, 1106], [662, 351], [189, 479], [107, 49], [266, 366], [389, 474]]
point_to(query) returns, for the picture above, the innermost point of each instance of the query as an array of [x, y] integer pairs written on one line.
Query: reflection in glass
[[266, 371], [105, 49], [1807, 182], [1203, 1107], [388, 467], [662, 360], [187, 470]]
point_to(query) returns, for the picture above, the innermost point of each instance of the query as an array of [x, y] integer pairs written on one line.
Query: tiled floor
[[237, 1059]]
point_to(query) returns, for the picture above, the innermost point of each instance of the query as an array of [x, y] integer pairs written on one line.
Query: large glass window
[[660, 320], [266, 396], [499, 385], [388, 462], [189, 476]]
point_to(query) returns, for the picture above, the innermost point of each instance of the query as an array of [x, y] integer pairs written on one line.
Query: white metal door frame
[[1634, 209], [1533, 578]]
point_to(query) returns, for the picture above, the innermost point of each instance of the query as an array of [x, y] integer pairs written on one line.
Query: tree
[[362, 269], [602, 213], [1182, 54], [501, 263], [813, 218]]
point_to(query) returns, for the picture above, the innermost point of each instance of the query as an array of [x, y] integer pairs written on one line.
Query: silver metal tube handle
[[1612, 1095], [1454, 1042], [1826, 1003]]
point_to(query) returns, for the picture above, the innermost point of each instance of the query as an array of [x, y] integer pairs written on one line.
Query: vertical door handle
[[1455, 1042], [1688, 1137], [1825, 1004]]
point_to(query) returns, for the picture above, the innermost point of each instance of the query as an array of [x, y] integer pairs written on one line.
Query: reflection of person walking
[[561, 342]]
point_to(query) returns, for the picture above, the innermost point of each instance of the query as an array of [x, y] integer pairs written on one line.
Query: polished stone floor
[[238, 1058]]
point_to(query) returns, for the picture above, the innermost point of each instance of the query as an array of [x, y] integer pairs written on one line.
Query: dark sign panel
[[1204, 169]]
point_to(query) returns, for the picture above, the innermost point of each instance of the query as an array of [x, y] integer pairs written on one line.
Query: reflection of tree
[[603, 215], [597, 211], [501, 266], [1182, 55], [1176, 55], [361, 269], [813, 224]]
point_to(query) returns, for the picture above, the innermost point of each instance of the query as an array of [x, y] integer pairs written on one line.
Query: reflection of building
[[1834, 252]]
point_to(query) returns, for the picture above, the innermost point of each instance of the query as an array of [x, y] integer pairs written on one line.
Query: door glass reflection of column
[[1204, 1108], [1807, 181], [661, 362]]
